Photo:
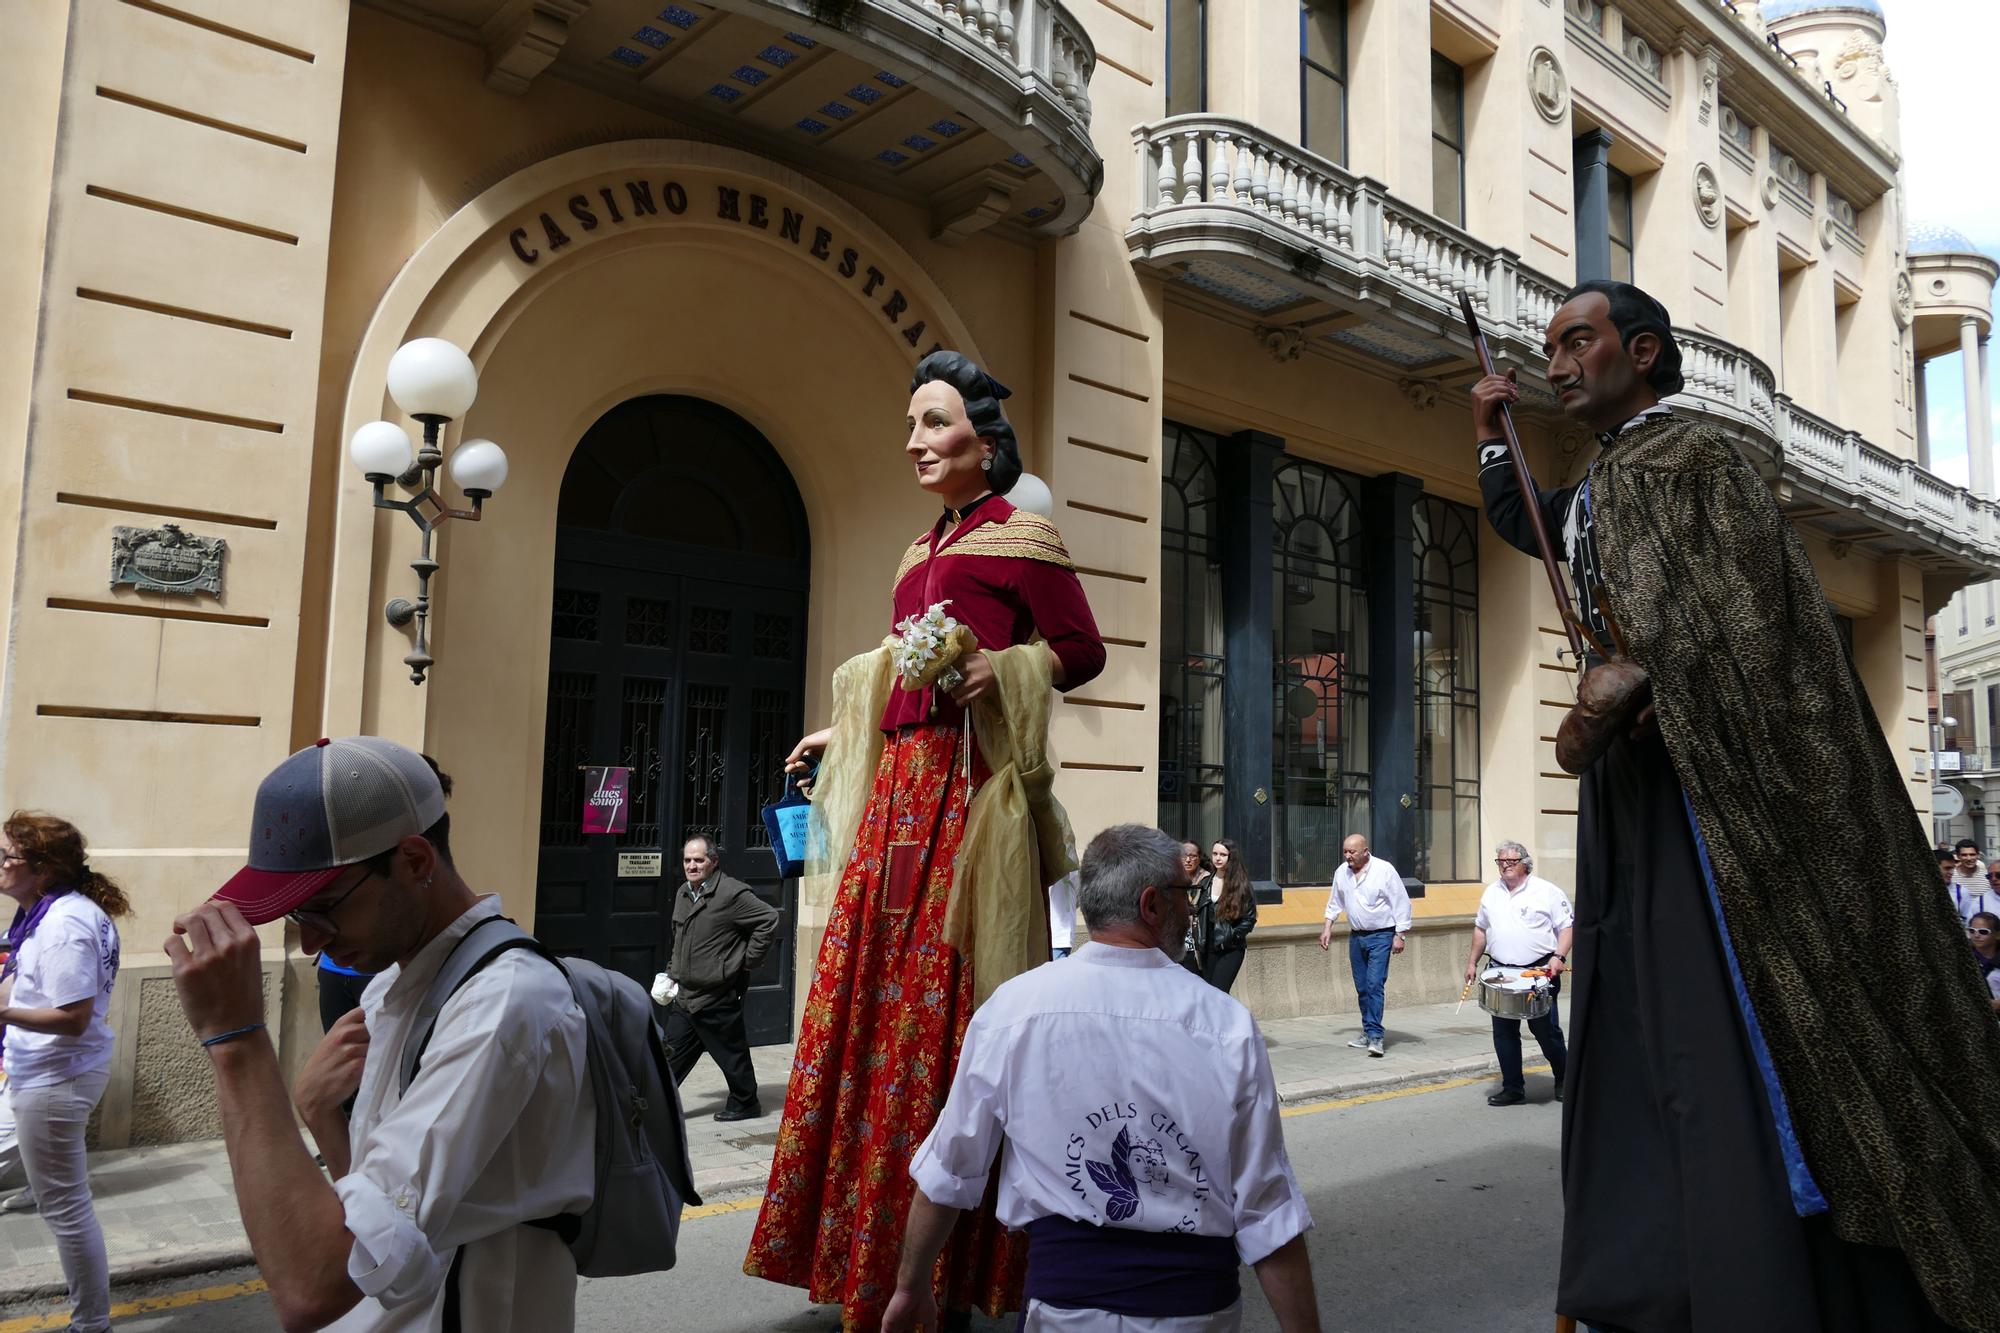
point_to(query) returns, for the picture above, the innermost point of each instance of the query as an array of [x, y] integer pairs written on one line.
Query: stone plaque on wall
[[167, 559]]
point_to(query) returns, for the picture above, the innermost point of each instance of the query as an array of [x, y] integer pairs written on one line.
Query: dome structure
[[1935, 238], [1773, 10]]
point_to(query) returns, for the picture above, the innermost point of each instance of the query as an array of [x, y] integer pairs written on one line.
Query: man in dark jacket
[[721, 930]]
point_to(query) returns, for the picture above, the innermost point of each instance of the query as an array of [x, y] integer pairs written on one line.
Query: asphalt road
[[1433, 1212]]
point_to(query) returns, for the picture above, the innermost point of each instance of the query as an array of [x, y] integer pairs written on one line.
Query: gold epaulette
[[1023, 536]]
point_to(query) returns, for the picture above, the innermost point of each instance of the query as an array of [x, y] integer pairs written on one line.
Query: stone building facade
[[694, 249]]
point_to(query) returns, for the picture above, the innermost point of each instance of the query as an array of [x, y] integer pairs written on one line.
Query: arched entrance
[[678, 648]]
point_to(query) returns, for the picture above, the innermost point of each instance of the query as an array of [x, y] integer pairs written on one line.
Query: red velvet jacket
[[1007, 577]]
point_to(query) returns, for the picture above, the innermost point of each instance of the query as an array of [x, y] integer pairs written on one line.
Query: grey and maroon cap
[[330, 806]]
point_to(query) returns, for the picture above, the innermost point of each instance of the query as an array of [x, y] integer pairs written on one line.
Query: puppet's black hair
[[982, 394], [1633, 312]]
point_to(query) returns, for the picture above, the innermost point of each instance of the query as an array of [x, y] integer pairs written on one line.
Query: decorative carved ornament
[[1858, 55], [1283, 343], [1423, 394], [1826, 233], [1548, 86], [1711, 75], [1707, 194], [167, 559], [1770, 191], [1906, 299]]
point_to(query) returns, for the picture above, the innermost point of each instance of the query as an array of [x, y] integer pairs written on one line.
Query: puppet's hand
[[1610, 701]]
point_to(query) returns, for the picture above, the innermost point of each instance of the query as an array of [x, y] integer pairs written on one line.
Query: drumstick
[[1467, 991]]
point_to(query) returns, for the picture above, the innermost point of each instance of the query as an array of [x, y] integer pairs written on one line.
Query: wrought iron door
[[677, 647]]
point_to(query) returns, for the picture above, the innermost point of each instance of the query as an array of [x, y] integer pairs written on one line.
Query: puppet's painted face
[[944, 448], [1596, 378]]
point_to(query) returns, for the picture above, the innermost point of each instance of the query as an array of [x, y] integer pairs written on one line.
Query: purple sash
[[25, 921], [1073, 1265]]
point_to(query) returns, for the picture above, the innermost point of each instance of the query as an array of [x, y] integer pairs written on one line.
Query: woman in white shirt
[[54, 995]]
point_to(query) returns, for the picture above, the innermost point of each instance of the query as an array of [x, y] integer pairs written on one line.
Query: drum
[[1505, 993]]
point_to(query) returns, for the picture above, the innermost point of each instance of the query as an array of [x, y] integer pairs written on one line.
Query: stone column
[[1978, 448], [1392, 667], [1985, 429], [1244, 465], [1592, 159], [1923, 419]]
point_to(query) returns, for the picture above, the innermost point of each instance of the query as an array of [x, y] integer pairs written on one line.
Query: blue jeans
[[1368, 956]]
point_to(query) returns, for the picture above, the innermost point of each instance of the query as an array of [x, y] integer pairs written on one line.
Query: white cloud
[[1940, 52]]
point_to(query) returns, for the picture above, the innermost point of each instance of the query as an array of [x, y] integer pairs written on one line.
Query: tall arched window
[[1445, 546], [1190, 639], [1320, 779]]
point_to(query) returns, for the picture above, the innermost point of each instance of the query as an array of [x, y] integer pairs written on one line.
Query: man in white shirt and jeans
[[1371, 893], [1144, 1154], [1523, 921], [428, 1222]]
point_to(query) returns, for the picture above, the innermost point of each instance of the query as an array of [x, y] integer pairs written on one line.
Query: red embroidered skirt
[[878, 1045]]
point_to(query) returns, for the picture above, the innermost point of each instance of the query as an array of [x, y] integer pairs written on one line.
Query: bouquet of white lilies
[[925, 649]]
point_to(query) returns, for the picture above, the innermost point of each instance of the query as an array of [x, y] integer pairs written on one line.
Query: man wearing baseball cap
[[424, 1223]]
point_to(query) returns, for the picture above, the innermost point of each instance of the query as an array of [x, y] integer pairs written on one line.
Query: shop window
[[1191, 638], [1187, 56], [1444, 548], [1447, 140], [1320, 779], [1323, 78]]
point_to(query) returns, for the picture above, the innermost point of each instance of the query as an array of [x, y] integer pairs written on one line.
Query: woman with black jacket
[[1235, 915], [1201, 907]]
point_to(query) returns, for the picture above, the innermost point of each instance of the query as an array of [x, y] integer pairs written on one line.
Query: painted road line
[[1388, 1096], [706, 1210], [144, 1305]]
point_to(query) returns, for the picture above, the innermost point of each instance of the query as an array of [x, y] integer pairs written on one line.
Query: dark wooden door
[[686, 663]]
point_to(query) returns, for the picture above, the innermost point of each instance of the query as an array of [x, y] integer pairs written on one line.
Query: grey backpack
[[643, 1173]]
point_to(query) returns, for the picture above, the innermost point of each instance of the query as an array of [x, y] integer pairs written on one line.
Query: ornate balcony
[[1320, 255], [978, 110]]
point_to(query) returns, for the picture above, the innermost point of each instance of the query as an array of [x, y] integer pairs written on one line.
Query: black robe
[[1684, 1182]]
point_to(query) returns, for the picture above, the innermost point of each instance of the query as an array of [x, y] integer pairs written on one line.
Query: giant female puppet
[[1783, 1110], [939, 832]]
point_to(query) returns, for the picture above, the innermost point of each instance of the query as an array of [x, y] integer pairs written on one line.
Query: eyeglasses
[[1978, 930], [1503, 861], [12, 859], [321, 918]]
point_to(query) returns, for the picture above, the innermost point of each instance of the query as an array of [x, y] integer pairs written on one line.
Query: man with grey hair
[[1523, 921], [1141, 1125]]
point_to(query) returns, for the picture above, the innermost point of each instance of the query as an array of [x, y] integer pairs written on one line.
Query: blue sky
[[1940, 54]]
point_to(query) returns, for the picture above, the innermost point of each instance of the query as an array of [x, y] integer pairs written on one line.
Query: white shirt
[[1374, 900], [1523, 924], [498, 1128], [73, 955], [1062, 910], [1123, 1084], [1970, 896]]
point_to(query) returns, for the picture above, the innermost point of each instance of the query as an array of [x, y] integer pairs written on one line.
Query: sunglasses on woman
[[1978, 930]]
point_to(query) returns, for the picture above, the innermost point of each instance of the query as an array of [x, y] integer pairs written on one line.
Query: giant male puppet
[[1783, 1107]]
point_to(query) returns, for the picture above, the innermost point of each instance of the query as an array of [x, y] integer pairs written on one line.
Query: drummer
[[1523, 921]]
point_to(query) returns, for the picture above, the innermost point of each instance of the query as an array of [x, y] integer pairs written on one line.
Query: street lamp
[[434, 382]]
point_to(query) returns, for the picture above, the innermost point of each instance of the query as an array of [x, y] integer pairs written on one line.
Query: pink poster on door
[[605, 802]]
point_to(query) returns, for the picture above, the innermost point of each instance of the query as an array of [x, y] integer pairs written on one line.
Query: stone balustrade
[[1039, 38], [1214, 187]]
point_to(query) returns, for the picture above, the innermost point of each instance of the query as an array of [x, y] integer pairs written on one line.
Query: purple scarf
[[1073, 1265], [23, 929]]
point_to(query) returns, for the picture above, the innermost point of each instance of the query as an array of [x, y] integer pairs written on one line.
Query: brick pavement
[[170, 1210]]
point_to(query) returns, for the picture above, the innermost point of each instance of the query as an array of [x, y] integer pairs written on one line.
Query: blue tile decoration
[[652, 37], [892, 157], [801, 40], [865, 95], [946, 128], [1036, 212], [837, 110], [625, 55], [680, 18], [777, 55], [722, 92], [811, 126], [749, 74], [1022, 160], [884, 76], [919, 142]]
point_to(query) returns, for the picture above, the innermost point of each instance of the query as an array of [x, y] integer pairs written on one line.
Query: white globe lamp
[[479, 467], [381, 449], [432, 379], [1031, 493]]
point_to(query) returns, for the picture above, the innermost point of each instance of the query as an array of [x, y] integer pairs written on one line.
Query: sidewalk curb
[[147, 1268]]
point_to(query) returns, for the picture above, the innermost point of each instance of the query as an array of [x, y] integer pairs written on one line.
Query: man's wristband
[[232, 1035]]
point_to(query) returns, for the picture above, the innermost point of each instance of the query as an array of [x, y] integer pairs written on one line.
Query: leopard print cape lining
[[1878, 1024]]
